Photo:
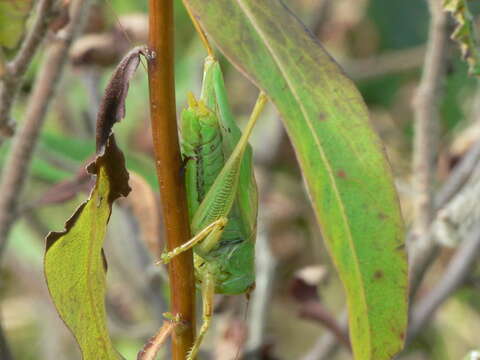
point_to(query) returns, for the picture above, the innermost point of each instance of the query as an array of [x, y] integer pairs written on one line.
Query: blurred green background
[[379, 43]]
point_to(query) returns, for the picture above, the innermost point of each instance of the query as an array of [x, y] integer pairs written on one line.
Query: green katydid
[[221, 194]]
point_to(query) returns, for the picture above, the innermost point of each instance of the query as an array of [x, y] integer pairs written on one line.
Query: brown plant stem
[[15, 171], [426, 132], [327, 345], [14, 70], [427, 117], [169, 169], [314, 310], [422, 259]]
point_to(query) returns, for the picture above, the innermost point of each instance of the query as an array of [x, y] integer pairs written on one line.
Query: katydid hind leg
[[208, 292]]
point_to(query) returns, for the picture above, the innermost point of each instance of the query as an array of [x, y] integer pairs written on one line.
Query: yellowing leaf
[[74, 264], [75, 267], [13, 15]]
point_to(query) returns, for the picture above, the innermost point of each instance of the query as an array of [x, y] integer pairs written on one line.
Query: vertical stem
[[169, 168], [427, 118], [425, 140]]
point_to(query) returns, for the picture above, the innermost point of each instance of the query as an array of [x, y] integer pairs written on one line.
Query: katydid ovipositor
[[221, 194]]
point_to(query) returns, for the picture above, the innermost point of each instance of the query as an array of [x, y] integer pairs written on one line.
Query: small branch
[[314, 310], [169, 168], [426, 119], [18, 160], [327, 344], [265, 265], [19, 64], [14, 71], [421, 258], [459, 177], [386, 63], [455, 275], [153, 345], [457, 219]]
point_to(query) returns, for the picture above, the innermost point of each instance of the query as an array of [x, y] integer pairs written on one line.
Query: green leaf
[[75, 266], [465, 33], [342, 159], [13, 15], [40, 168]]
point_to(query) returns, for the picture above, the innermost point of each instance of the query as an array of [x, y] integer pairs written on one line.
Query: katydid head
[[199, 125]]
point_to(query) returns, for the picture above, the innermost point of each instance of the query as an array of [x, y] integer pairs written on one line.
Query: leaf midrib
[[328, 166]]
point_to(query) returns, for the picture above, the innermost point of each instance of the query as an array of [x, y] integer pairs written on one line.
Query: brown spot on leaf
[[341, 174], [382, 216], [322, 116], [378, 274], [400, 247]]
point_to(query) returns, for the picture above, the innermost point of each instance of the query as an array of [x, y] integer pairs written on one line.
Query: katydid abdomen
[[232, 259]]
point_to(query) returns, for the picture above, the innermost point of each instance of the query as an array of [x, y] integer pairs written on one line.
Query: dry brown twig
[[14, 70], [390, 62], [455, 275], [456, 220], [17, 163], [426, 120], [420, 261], [153, 345], [328, 344]]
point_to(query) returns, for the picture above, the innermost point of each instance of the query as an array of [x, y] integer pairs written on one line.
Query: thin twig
[[455, 275], [314, 310], [459, 176], [14, 71], [16, 168], [460, 215], [426, 119], [153, 345], [425, 140], [385, 63], [169, 169], [265, 264], [327, 344]]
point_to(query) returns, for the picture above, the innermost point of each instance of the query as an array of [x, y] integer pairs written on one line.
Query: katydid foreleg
[[210, 234]]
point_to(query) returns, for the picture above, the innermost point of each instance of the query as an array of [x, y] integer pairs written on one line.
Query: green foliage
[[465, 33], [411, 16], [13, 15], [342, 160]]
